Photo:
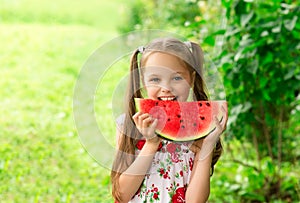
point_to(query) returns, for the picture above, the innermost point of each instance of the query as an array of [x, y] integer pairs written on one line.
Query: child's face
[[166, 77]]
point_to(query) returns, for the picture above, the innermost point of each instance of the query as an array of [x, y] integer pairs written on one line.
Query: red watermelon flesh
[[183, 121]]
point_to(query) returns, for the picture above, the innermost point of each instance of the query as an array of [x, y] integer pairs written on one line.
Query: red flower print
[[181, 173], [179, 196], [140, 144], [191, 163], [175, 157], [160, 146], [155, 196], [163, 173], [166, 175], [171, 147], [181, 191]]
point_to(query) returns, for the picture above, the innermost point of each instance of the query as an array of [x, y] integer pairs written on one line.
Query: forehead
[[163, 62]]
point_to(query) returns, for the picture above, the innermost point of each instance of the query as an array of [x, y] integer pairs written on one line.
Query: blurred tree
[[260, 56], [177, 15], [257, 48]]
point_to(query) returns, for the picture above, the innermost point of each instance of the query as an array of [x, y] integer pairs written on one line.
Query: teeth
[[167, 98]]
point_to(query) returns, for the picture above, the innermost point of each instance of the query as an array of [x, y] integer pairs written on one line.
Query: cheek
[[151, 89], [183, 90], [182, 87]]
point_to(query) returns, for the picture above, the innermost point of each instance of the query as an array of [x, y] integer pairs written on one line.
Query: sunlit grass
[[43, 47]]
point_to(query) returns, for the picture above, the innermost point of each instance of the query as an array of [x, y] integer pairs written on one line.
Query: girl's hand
[[220, 128], [206, 145], [146, 125]]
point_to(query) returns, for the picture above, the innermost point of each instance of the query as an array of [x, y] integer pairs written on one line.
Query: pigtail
[[129, 133], [198, 57], [199, 87], [200, 92], [134, 89], [216, 155]]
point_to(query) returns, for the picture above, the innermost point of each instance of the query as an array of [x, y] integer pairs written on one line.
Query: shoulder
[[120, 119], [119, 124]]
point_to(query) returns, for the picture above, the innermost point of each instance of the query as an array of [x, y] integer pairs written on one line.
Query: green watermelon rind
[[203, 134]]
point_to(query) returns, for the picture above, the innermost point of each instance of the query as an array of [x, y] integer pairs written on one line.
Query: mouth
[[167, 98]]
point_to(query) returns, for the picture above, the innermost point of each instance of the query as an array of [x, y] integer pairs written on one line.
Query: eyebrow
[[181, 73], [156, 75], [153, 75]]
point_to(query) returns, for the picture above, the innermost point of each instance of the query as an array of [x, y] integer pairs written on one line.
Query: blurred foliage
[[256, 46], [260, 59], [167, 15]]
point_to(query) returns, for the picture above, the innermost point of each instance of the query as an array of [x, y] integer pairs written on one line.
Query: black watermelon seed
[[182, 126], [156, 104], [195, 124], [169, 119], [178, 115], [181, 121], [202, 117], [200, 104], [207, 104]]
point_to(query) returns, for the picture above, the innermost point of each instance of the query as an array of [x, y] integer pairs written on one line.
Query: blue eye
[[154, 80], [177, 78]]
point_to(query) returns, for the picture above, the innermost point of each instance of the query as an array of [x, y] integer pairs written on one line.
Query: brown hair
[[192, 56]]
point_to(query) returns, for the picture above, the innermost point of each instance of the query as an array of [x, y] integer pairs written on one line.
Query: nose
[[166, 87]]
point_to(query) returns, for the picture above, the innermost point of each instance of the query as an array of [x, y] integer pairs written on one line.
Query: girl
[[146, 167]]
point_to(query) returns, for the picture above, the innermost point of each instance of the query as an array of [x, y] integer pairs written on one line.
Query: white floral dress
[[168, 175]]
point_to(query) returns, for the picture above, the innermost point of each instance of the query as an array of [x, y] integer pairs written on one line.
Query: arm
[[132, 178], [199, 187]]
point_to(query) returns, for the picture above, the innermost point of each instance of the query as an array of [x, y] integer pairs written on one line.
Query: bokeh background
[[43, 45]]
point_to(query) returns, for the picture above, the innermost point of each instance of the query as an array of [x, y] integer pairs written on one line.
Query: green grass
[[43, 47]]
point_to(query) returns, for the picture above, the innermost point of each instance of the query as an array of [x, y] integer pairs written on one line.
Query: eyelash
[[154, 79], [176, 78]]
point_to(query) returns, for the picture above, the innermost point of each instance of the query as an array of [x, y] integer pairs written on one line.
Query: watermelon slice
[[183, 121]]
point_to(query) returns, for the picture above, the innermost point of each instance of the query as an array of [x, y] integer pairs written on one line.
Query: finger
[[144, 120], [225, 112], [224, 108], [139, 119], [136, 115], [225, 117], [149, 131], [217, 122], [213, 137], [147, 121], [153, 124], [135, 118], [143, 116]]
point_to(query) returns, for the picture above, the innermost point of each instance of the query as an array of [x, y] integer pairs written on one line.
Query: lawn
[[43, 47]]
